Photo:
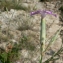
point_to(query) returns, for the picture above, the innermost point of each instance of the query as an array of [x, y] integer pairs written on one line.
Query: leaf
[[4, 55], [53, 39]]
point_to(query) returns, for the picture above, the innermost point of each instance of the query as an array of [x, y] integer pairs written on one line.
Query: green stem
[[43, 33], [42, 38], [41, 53]]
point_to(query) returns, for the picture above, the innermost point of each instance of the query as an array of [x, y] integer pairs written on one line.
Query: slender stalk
[[41, 51], [42, 38]]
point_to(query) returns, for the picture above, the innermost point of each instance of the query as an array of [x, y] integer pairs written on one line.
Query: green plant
[[43, 36], [10, 54]]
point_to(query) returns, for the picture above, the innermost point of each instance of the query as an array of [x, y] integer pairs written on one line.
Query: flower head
[[43, 13]]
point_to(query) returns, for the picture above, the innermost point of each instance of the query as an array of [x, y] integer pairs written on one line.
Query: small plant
[[10, 54], [43, 36]]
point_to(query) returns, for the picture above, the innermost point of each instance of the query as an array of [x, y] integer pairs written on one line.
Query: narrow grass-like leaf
[[54, 55], [53, 39], [3, 56]]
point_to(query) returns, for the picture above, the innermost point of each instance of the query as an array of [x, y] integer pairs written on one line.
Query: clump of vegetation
[[11, 4], [25, 25], [10, 54], [25, 44]]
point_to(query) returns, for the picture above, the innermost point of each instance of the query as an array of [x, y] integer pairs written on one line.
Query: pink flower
[[43, 13]]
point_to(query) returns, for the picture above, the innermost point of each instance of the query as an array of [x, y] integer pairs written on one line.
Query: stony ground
[[15, 24]]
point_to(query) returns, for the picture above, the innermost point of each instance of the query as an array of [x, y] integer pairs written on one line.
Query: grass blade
[[53, 39]]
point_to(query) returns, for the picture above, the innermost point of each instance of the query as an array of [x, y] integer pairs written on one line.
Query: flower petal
[[43, 13], [36, 12], [49, 12]]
